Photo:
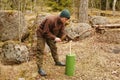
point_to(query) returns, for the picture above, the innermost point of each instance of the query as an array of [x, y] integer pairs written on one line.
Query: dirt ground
[[94, 61]]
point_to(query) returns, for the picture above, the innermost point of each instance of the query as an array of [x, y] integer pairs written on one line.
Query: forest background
[[95, 60]]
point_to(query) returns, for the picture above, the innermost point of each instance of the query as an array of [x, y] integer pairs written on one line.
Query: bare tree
[[114, 3], [91, 4], [76, 8], [83, 11], [107, 5]]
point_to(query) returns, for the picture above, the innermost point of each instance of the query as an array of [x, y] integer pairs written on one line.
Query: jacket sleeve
[[46, 30], [62, 33]]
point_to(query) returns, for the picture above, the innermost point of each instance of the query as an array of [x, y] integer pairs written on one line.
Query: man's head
[[65, 15]]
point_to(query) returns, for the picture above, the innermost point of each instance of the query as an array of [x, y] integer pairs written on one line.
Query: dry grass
[[94, 61]]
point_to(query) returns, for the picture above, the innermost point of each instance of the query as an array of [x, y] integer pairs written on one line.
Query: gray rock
[[78, 30], [98, 20], [14, 53], [12, 25]]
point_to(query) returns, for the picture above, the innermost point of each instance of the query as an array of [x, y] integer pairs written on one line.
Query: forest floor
[[94, 61]]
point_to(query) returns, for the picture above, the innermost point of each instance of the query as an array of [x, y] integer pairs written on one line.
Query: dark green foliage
[[56, 5], [59, 4], [118, 5], [103, 3]]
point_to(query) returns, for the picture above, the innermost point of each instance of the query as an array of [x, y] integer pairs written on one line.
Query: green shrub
[[58, 5]]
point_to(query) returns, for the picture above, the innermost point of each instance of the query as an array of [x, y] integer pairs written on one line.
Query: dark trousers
[[40, 50]]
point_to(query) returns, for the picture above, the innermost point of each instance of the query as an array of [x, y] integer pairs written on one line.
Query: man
[[50, 31]]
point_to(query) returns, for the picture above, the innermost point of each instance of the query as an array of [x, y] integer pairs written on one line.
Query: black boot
[[59, 64], [42, 72]]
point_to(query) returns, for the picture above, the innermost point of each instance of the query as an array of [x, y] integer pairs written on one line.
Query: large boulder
[[12, 25], [34, 23], [14, 53], [98, 20], [76, 31]]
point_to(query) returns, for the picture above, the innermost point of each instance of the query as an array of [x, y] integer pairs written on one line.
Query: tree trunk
[[76, 9], [91, 4], [114, 3], [34, 5], [107, 5], [83, 11], [103, 4], [41, 5]]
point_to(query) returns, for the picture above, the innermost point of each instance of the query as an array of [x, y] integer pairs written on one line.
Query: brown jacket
[[51, 27]]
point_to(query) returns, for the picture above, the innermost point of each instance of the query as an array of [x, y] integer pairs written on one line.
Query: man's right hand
[[57, 39]]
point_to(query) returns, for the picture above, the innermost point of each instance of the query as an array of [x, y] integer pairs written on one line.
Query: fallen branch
[[107, 26]]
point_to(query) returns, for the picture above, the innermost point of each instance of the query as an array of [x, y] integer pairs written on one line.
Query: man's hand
[[57, 39]]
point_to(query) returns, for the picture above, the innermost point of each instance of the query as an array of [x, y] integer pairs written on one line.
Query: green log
[[70, 65]]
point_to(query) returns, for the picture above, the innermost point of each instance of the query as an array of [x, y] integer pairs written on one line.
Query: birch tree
[[114, 3], [107, 5], [83, 11]]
